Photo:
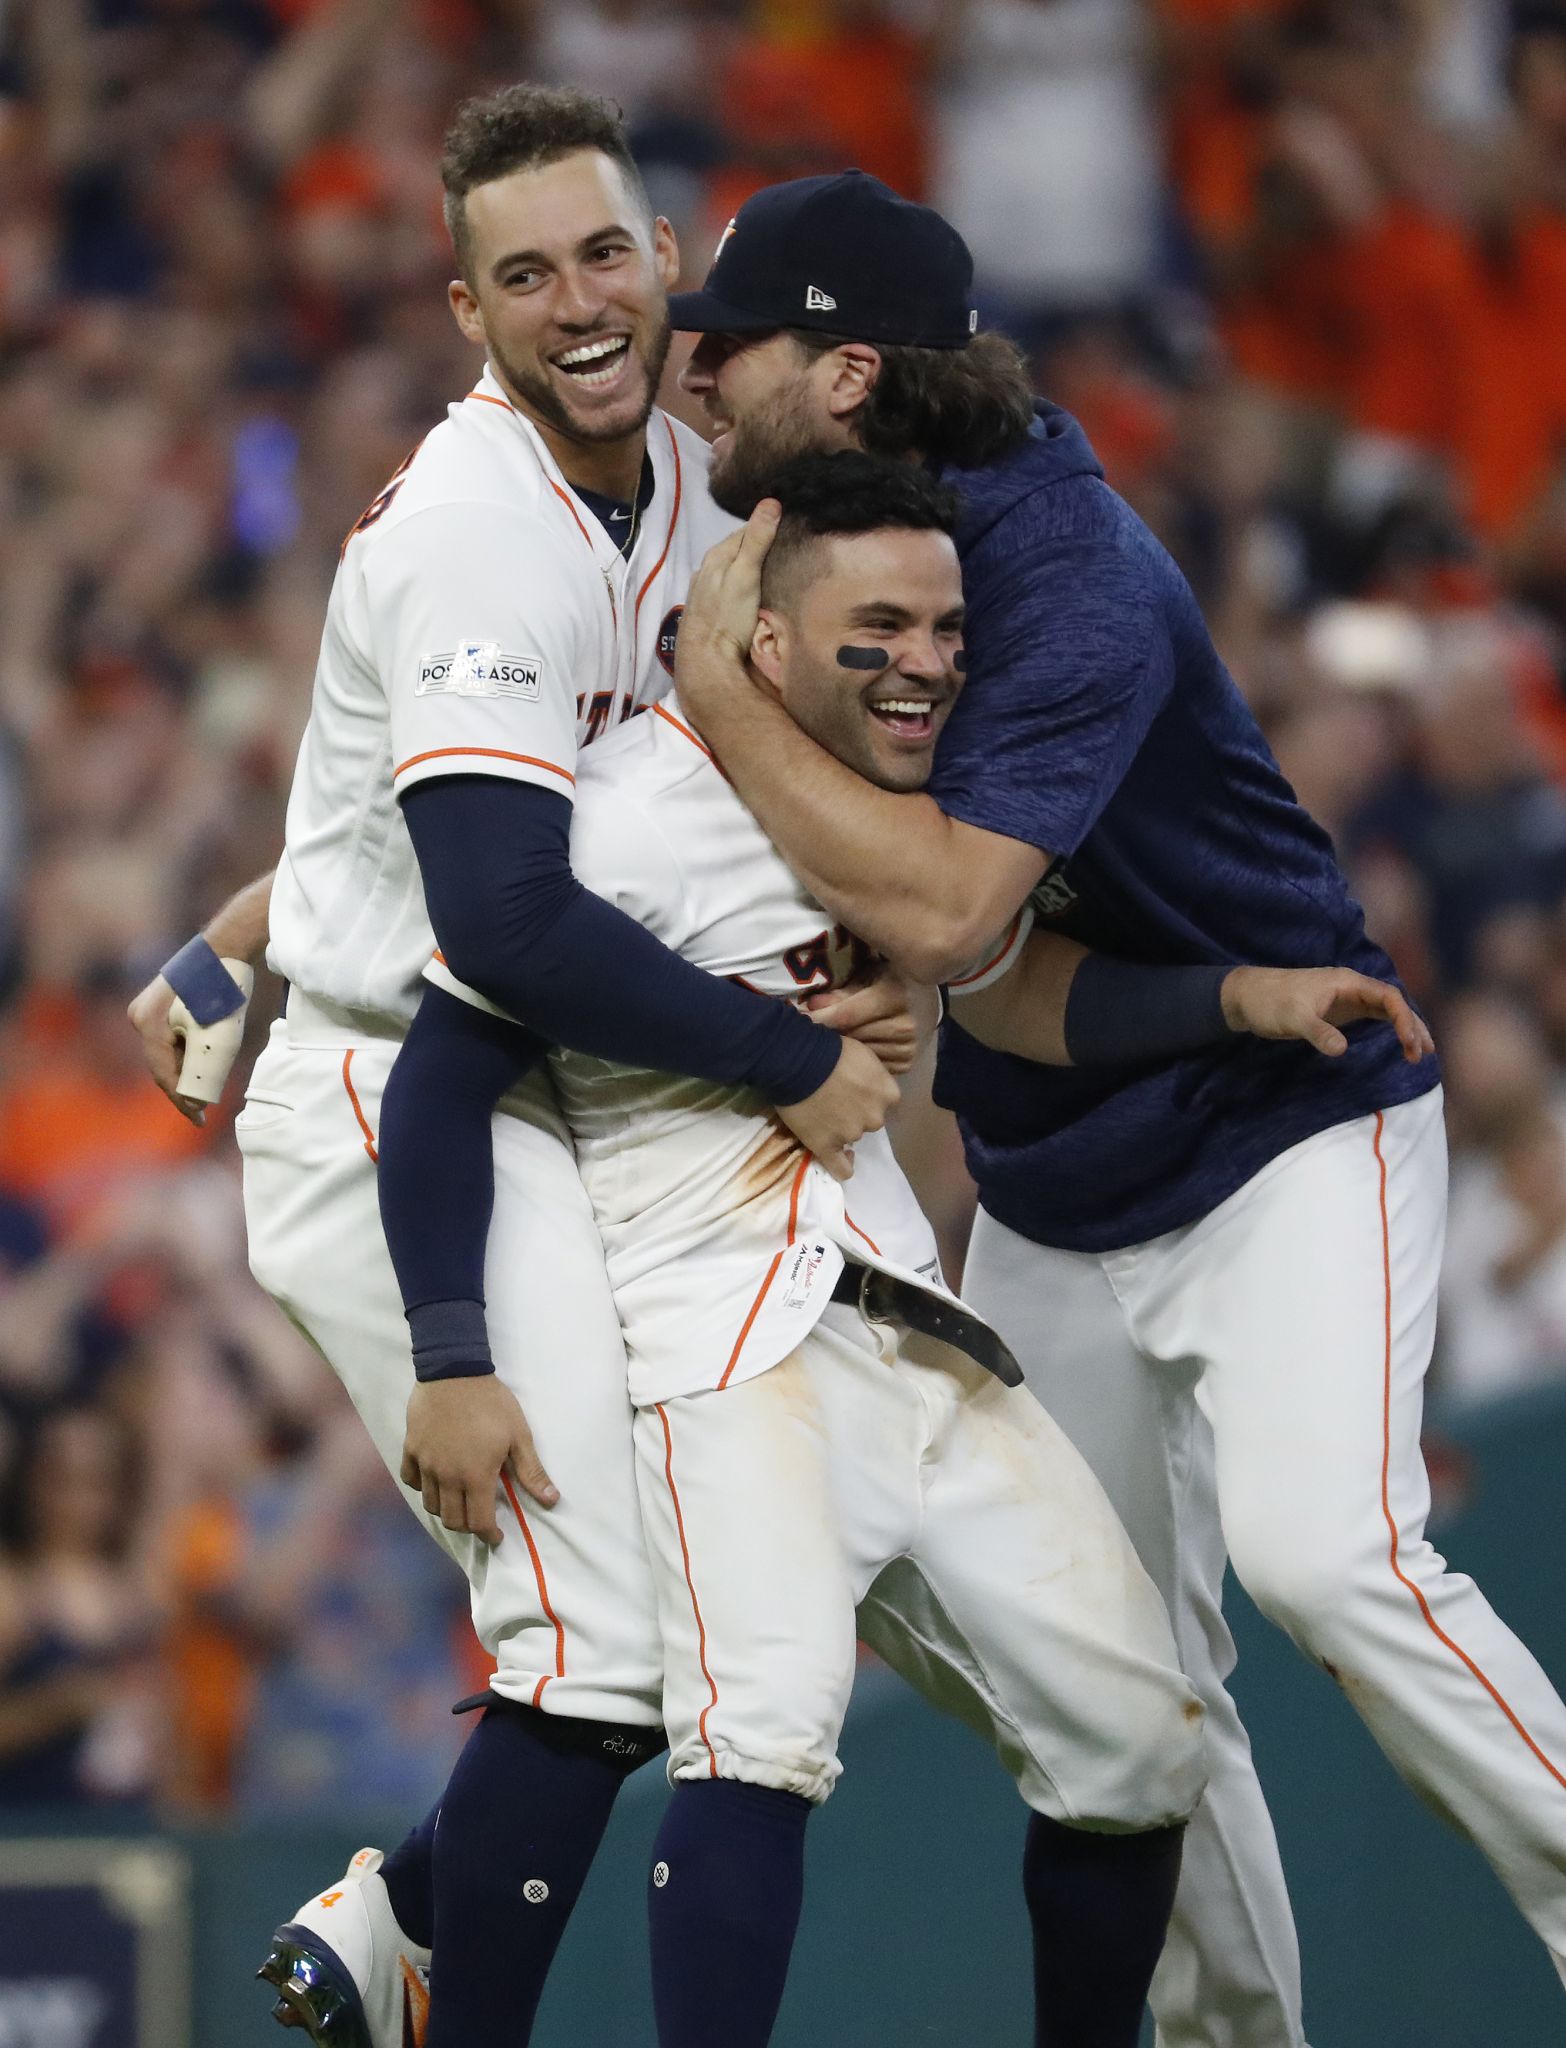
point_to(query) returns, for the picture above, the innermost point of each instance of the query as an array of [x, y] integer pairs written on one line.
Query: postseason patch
[[478, 668]]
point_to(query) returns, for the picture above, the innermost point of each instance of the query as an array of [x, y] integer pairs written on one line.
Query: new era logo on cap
[[896, 271]]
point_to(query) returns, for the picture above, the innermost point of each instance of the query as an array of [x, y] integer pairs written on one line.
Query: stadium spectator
[[80, 1688], [1047, 154]]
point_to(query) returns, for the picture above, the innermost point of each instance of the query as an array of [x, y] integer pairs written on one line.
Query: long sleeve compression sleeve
[[437, 1173], [513, 922]]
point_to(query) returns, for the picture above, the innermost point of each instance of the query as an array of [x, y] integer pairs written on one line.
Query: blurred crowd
[[1298, 265]]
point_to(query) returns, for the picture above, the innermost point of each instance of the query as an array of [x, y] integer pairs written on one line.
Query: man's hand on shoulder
[[1311, 1003], [462, 1435]]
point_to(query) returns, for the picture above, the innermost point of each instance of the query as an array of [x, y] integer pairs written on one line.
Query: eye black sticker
[[868, 658]]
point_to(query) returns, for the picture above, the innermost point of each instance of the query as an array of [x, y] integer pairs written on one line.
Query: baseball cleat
[[345, 1972]]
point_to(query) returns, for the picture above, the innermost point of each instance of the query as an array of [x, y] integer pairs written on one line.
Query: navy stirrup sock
[[410, 1880], [728, 1878], [1100, 1907], [524, 1812]]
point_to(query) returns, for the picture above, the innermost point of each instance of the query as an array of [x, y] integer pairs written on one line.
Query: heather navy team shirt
[[1099, 725]]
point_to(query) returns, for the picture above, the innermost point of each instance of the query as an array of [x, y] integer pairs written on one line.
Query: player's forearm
[[513, 922], [1025, 1012], [436, 1177], [1066, 1007], [240, 930], [913, 883]]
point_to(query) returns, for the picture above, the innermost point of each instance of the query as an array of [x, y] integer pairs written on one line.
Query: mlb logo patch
[[478, 668], [801, 1272], [668, 633]]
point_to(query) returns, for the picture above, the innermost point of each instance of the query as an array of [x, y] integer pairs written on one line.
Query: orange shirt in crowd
[[211, 1671], [1513, 424], [817, 100], [1215, 136], [1407, 286], [449, 23], [69, 1134], [338, 176], [1286, 329]]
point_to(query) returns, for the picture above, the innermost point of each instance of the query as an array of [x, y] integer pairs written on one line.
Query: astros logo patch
[[668, 633]]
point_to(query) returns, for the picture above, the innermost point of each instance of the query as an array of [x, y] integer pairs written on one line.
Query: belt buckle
[[876, 1303]]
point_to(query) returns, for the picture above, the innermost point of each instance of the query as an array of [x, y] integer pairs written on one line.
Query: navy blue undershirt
[[621, 518], [513, 922]]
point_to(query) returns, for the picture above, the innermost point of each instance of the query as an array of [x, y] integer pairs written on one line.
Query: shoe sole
[[314, 1989]]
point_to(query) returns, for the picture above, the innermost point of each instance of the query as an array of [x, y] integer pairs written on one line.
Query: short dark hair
[[521, 128], [957, 407], [827, 495]]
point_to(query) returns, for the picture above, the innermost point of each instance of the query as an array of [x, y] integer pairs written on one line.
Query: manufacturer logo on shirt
[[478, 668], [802, 1273]]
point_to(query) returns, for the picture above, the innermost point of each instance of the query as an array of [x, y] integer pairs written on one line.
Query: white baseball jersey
[[481, 620], [723, 1236]]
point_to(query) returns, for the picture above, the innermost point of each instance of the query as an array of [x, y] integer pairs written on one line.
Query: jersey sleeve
[[475, 640], [619, 853], [1069, 663]]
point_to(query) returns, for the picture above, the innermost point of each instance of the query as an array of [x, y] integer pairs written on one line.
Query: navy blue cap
[[843, 254]]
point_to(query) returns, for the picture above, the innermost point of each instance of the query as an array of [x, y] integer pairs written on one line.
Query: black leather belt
[[883, 1298]]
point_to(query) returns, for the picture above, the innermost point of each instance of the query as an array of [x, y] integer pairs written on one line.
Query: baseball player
[[1219, 1267], [807, 1446], [504, 601], [798, 1457]]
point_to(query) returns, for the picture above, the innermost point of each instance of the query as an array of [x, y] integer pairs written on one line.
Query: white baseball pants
[[1300, 1315], [982, 1557], [566, 1602]]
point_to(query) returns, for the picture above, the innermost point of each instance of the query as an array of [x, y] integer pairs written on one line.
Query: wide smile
[[599, 366], [906, 718]]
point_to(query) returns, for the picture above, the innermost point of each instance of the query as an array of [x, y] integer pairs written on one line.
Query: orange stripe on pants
[[1386, 1499], [353, 1097], [543, 1589], [701, 1630]]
